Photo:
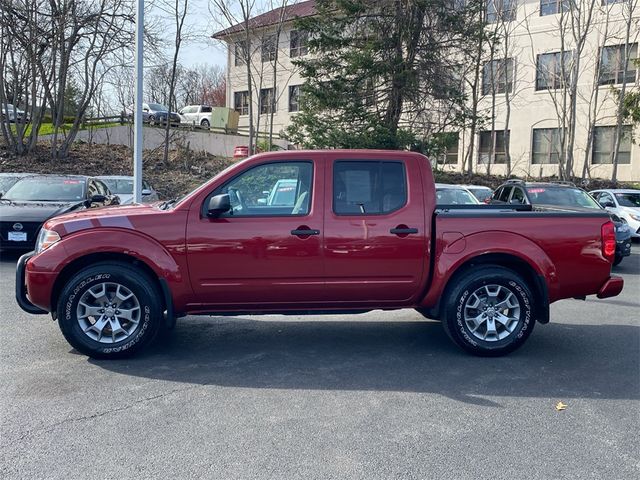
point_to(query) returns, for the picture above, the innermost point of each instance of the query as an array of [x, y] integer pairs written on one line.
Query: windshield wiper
[[168, 203]]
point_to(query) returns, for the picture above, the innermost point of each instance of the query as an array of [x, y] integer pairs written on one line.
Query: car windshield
[[562, 196], [7, 182], [481, 193], [120, 185], [628, 199], [47, 189], [454, 196], [157, 107]]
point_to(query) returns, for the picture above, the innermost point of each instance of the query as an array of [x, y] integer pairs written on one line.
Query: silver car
[[122, 186], [625, 203]]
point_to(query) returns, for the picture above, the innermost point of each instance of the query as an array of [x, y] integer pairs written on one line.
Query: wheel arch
[[113, 257], [522, 267]]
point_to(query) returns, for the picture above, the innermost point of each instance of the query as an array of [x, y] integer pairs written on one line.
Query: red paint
[[256, 264]]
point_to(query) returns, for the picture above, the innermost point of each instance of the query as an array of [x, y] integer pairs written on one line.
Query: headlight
[[46, 238], [635, 217]]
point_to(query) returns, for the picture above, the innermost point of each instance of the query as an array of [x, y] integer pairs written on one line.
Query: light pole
[[137, 112]]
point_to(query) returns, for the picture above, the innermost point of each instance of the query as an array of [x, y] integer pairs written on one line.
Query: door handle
[[403, 230], [305, 231]]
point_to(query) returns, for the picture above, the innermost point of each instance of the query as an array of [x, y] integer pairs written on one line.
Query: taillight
[[608, 232]]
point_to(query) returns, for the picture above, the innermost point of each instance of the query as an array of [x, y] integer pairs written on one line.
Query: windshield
[[47, 189], [156, 107], [626, 199], [481, 193], [7, 182], [454, 196], [120, 185], [561, 196]]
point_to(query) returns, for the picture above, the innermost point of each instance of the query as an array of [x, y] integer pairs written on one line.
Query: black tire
[[464, 288], [617, 260], [205, 123], [150, 320]]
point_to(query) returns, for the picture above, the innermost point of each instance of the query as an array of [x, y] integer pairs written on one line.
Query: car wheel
[[204, 123], [109, 310], [489, 311], [617, 260], [152, 120]]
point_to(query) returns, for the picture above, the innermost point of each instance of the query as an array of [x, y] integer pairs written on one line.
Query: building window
[[501, 10], [267, 100], [499, 140], [298, 43], [446, 144], [547, 145], [553, 70], [615, 66], [497, 76], [610, 2], [269, 48], [241, 102], [551, 7], [240, 53], [603, 142], [294, 98]]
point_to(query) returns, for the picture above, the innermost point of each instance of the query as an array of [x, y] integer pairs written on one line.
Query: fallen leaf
[[560, 406]]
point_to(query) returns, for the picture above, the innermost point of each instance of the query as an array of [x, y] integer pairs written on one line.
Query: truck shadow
[[560, 361]]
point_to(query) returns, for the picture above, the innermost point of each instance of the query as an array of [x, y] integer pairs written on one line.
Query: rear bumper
[[21, 289], [611, 288]]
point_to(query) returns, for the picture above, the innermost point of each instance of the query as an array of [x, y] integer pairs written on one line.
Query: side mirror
[[95, 199], [607, 204], [219, 205], [145, 192], [145, 109]]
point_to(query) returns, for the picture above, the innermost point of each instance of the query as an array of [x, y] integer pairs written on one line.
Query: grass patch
[[47, 128]]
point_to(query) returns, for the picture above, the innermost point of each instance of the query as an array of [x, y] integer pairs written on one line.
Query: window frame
[[301, 49], [272, 107], [617, 71], [291, 87], [245, 104], [364, 161], [499, 13], [509, 80], [268, 48], [625, 129], [561, 6], [218, 191], [557, 79], [494, 133], [549, 152]]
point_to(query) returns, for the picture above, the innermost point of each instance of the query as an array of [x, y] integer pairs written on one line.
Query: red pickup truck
[[353, 231]]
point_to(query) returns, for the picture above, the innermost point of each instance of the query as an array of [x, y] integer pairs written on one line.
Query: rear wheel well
[[79, 263], [517, 265]]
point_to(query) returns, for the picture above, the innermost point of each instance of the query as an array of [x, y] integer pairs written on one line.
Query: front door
[[375, 235], [266, 251]]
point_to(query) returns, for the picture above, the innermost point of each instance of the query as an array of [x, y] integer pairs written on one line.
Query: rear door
[[375, 247], [258, 254]]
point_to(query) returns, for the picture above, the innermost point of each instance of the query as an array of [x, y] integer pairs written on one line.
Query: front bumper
[[623, 248], [21, 289], [611, 288]]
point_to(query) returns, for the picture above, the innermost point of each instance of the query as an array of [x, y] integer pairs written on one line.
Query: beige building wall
[[530, 35]]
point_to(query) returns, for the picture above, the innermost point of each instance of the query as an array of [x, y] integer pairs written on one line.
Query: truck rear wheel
[[109, 310], [489, 311]]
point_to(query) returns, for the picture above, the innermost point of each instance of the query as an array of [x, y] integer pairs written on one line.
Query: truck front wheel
[[109, 310], [489, 311]]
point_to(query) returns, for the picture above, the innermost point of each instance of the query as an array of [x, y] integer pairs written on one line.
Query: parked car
[[370, 236], [625, 203], [122, 186], [155, 113], [565, 195], [454, 195], [196, 115], [283, 193], [13, 113], [37, 198], [7, 180], [482, 193]]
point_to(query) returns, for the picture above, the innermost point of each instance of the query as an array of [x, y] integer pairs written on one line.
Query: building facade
[[526, 90]]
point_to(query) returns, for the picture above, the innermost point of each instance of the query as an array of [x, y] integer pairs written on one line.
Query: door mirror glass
[[218, 205], [145, 192]]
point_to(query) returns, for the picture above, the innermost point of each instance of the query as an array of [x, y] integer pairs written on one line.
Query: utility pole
[[137, 113]]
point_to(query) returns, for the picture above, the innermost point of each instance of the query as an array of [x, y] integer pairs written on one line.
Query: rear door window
[[504, 195], [368, 187], [518, 196]]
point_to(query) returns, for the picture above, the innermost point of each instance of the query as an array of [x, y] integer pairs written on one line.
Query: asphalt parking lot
[[381, 395]]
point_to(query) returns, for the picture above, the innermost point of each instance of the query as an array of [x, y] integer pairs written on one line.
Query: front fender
[[43, 269], [453, 251]]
